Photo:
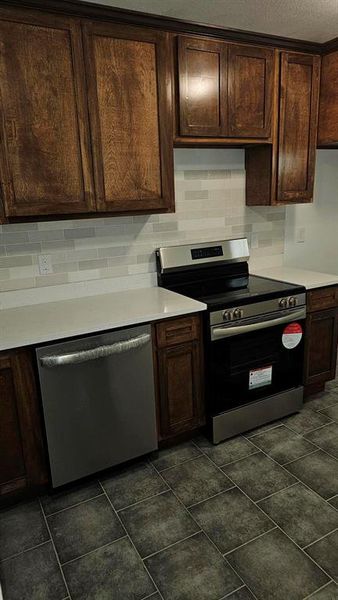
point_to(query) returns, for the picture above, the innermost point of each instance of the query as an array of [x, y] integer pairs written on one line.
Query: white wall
[[319, 252]]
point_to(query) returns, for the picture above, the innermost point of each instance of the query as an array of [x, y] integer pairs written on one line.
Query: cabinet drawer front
[[322, 298], [170, 333]]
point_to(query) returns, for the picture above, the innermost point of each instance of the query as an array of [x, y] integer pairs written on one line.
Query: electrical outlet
[[45, 264], [300, 235]]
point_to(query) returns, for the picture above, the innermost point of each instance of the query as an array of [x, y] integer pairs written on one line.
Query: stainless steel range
[[254, 334]]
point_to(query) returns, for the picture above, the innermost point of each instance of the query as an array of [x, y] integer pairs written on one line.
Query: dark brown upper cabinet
[[224, 90], [328, 103], [202, 66], [45, 156], [129, 87], [250, 91], [283, 172], [298, 120]]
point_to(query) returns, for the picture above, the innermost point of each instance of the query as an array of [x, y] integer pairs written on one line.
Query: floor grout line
[[173, 544], [56, 512], [332, 497], [321, 538], [67, 562], [318, 590], [299, 457], [183, 462], [55, 552], [143, 500], [132, 543], [202, 455], [234, 592], [206, 534], [210, 497], [278, 527], [24, 551], [274, 493], [252, 539]]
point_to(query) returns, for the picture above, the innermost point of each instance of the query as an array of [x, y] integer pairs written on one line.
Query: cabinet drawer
[[322, 298], [170, 333]]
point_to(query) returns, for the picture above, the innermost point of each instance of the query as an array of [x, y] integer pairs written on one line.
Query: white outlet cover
[[45, 264]]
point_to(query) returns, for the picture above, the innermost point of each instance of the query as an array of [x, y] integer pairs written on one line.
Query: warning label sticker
[[260, 377], [292, 335]]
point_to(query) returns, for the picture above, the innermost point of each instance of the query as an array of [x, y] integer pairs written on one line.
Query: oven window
[[248, 367]]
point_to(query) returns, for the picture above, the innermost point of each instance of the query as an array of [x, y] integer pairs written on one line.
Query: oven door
[[259, 357]]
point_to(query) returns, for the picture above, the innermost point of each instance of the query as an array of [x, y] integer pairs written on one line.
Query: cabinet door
[[130, 106], [180, 382], [202, 67], [328, 104], [250, 91], [297, 126], [321, 346], [22, 462], [45, 157]]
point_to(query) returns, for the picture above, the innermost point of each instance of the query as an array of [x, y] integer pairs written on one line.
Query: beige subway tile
[[17, 284], [15, 261], [55, 279], [65, 267], [76, 276], [219, 174], [57, 245], [196, 174], [4, 274], [196, 194], [19, 227], [114, 272], [98, 263], [165, 226], [23, 272], [85, 232], [46, 236], [14, 238]]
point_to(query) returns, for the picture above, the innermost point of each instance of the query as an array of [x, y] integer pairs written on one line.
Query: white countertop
[[32, 325], [309, 279]]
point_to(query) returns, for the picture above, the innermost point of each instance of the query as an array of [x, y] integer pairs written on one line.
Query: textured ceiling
[[313, 20]]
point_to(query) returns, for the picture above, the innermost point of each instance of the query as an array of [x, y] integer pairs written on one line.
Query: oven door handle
[[217, 333]]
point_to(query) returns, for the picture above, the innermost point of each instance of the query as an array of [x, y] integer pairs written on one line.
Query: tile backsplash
[[91, 256]]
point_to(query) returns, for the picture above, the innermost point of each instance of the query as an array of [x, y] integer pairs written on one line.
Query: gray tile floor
[[253, 518]]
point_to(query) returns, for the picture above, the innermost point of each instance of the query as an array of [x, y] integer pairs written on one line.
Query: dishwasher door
[[98, 401]]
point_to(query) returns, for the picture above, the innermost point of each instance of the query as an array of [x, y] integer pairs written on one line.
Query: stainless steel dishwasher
[[98, 401]]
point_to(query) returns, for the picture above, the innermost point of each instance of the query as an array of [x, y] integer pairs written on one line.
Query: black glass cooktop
[[229, 292]]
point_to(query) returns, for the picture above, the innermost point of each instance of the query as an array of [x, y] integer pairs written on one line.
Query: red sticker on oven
[[292, 335]]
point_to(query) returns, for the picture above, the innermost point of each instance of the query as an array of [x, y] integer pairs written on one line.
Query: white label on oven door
[[260, 377], [292, 335]]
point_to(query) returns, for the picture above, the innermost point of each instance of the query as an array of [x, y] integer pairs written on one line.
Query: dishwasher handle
[[73, 358]]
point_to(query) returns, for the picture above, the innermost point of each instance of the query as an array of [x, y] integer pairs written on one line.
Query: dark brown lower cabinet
[[22, 462], [179, 376], [321, 338]]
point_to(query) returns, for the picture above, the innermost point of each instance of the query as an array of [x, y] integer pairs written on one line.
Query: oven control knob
[[292, 301], [238, 313], [227, 315], [283, 303]]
